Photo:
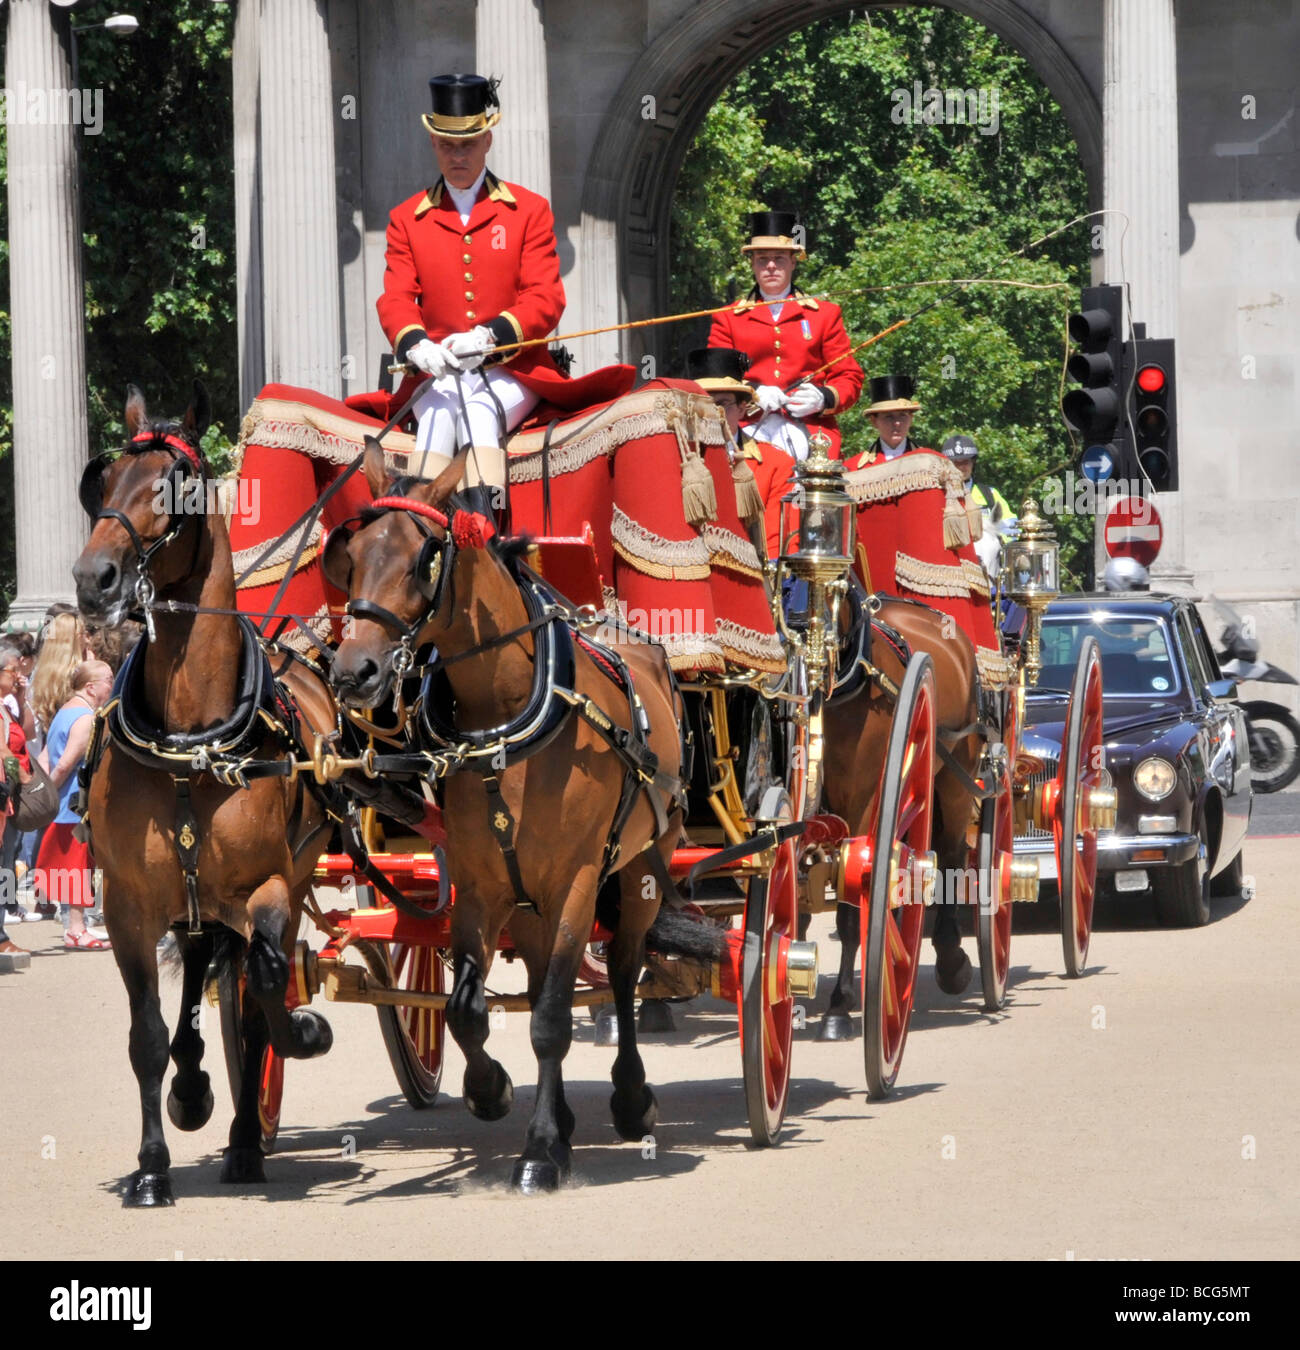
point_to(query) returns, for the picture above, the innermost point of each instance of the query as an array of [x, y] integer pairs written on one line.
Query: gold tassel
[[699, 496], [748, 501], [956, 526]]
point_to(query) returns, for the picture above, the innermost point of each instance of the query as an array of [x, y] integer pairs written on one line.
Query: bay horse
[[856, 735], [223, 866], [573, 780]]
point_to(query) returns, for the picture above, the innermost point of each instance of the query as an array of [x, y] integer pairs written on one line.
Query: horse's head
[[141, 500], [394, 564]]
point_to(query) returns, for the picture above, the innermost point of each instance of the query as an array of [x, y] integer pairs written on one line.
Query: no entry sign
[[1133, 530]]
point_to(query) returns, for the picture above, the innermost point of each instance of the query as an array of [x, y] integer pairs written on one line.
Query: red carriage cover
[[914, 539], [619, 467]]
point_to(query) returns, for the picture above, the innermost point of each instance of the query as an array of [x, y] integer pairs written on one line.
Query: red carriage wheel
[[902, 877], [766, 1004], [415, 1038], [993, 869], [1073, 825], [270, 1092]]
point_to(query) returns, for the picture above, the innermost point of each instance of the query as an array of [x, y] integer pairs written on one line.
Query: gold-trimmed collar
[[753, 300], [496, 190]]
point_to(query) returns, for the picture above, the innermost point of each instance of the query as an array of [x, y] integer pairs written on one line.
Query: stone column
[[300, 255], [511, 44], [47, 309], [245, 64], [1140, 178]]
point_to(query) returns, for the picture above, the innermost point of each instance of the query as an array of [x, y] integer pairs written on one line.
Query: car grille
[[1048, 773]]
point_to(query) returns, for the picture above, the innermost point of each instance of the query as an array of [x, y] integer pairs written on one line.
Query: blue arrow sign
[[1098, 463]]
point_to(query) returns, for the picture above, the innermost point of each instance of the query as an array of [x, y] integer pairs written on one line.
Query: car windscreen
[[1136, 660]]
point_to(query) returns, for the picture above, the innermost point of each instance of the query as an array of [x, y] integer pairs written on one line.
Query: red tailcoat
[[773, 471], [500, 269], [805, 335]]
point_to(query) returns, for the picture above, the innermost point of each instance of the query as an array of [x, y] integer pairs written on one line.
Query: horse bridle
[[433, 564], [186, 461]]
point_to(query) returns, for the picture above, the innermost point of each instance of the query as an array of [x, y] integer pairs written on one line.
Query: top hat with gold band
[[719, 370], [774, 229], [892, 393], [460, 105]]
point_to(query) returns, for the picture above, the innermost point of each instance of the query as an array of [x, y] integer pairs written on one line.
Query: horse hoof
[[243, 1167], [634, 1126], [655, 1017], [190, 1113], [494, 1105], [534, 1176], [148, 1190], [312, 1032], [836, 1026], [952, 970], [606, 1025]]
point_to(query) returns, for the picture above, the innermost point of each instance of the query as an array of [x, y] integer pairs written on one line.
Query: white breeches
[[787, 433], [442, 426]]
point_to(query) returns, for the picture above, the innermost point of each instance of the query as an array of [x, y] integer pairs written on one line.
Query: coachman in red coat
[[799, 352], [472, 266]]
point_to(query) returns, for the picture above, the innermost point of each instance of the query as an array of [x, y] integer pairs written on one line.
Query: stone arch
[[627, 192]]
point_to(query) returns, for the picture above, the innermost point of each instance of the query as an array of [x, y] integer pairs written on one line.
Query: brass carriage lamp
[[1031, 578], [818, 518]]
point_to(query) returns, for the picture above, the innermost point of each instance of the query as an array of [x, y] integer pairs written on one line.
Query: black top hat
[[774, 229], [892, 393], [719, 369], [460, 105]]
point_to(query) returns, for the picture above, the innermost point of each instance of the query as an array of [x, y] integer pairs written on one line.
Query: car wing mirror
[[1220, 689]]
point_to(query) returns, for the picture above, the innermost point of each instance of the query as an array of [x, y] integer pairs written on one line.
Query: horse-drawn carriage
[[564, 780]]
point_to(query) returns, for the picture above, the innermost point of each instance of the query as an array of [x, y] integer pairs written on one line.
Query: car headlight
[[1154, 778]]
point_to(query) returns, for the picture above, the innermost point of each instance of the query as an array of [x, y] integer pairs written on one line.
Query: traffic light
[[1095, 410], [1153, 410]]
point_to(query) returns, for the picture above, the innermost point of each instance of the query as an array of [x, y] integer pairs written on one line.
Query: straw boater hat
[[773, 229], [719, 370], [892, 393], [460, 105]]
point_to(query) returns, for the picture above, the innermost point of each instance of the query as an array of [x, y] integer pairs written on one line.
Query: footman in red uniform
[[789, 338]]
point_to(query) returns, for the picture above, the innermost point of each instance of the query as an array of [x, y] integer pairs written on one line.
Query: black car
[[1177, 751]]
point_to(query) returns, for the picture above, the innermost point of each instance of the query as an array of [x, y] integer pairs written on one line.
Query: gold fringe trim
[[245, 556], [748, 647], [975, 519], [926, 578], [912, 472], [672, 559], [996, 671], [633, 417], [282, 424], [732, 552], [956, 529], [976, 577], [264, 576]]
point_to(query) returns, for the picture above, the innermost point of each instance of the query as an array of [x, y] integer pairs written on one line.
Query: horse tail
[[675, 931], [227, 953]]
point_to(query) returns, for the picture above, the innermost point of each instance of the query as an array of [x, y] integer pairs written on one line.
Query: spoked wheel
[[902, 879], [766, 1021], [270, 1092], [1073, 827], [415, 1038], [993, 865]]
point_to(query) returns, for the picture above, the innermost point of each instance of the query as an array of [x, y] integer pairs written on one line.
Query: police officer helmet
[[960, 447], [1125, 574]]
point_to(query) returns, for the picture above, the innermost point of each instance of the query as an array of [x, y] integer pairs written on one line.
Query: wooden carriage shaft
[[350, 984]]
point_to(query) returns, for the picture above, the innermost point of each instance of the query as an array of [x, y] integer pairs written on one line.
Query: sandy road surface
[[1105, 1117]]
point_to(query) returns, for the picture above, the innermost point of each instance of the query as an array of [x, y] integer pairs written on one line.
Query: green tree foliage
[[816, 125], [157, 207]]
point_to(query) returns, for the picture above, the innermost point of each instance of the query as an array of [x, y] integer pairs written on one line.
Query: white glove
[[804, 401], [429, 358], [467, 350], [769, 398]]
